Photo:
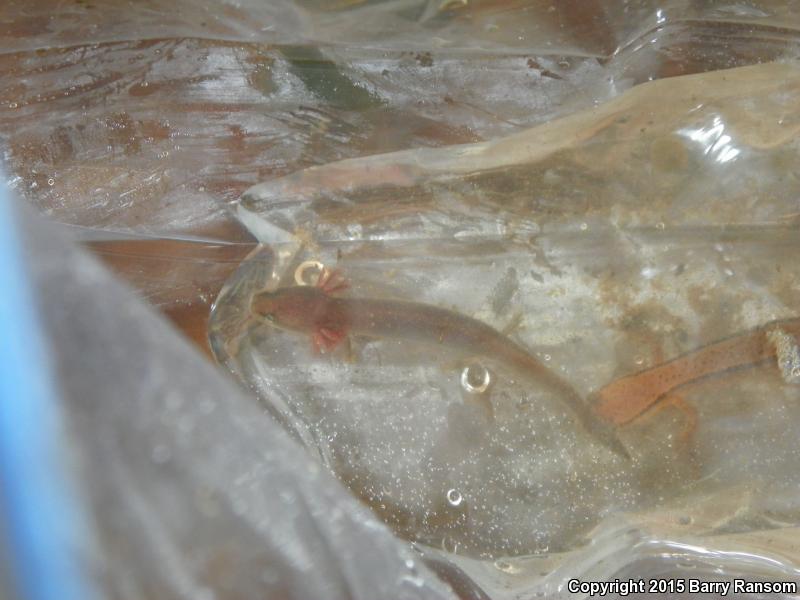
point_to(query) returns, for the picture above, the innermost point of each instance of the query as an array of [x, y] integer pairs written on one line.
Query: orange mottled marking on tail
[[623, 400]]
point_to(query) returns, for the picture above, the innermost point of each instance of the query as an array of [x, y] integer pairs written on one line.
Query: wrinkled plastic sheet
[[155, 137], [157, 133], [190, 489]]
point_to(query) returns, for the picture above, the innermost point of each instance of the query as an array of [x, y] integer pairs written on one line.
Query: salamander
[[328, 319]]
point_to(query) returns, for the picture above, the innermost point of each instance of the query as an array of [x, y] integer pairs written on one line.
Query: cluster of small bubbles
[[454, 497], [202, 188]]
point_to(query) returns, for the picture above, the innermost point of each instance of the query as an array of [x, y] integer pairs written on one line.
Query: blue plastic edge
[[41, 518]]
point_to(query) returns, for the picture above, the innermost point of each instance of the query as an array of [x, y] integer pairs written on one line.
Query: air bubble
[[301, 276], [51, 182], [450, 545], [454, 497], [476, 379], [584, 226]]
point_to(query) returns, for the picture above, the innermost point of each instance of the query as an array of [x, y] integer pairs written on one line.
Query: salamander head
[[293, 308]]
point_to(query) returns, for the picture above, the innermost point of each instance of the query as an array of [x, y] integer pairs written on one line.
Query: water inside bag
[[605, 243]]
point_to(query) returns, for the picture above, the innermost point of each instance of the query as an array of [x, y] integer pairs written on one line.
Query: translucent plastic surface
[[190, 490], [606, 243], [156, 132], [150, 119]]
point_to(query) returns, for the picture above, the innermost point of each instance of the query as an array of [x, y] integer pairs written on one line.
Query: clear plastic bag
[[189, 489], [606, 242], [602, 245]]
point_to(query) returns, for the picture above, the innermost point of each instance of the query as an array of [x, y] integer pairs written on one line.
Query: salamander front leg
[[325, 339]]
